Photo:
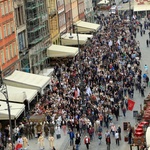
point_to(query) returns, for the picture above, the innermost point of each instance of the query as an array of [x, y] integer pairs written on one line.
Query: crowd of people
[[86, 93]]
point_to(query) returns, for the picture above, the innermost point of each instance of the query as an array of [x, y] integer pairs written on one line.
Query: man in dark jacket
[[77, 142]]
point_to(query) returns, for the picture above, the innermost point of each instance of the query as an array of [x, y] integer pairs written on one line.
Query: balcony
[[52, 12], [36, 29], [33, 6], [39, 51], [36, 40], [33, 18], [40, 62]]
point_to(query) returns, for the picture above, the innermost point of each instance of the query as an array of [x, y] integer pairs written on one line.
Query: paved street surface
[[62, 144]]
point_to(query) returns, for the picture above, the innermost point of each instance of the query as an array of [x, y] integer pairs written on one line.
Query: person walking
[[63, 125], [117, 138], [51, 141], [146, 68], [113, 129], [147, 80], [87, 141], [141, 32], [77, 142], [57, 130], [119, 131], [41, 142], [71, 135], [124, 111], [108, 142], [91, 132], [46, 130], [147, 43], [25, 142], [99, 137]]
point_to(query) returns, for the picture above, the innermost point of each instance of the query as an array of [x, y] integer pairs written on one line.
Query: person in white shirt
[[20, 140], [117, 138]]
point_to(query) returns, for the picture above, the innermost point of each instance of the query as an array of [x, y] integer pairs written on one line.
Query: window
[[8, 29], [2, 57], [12, 27], [60, 2], [19, 13], [21, 40], [9, 6], [0, 33], [5, 32], [10, 51], [6, 7], [15, 49], [2, 9], [7, 54]]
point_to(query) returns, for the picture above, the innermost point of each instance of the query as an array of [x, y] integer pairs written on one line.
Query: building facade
[[68, 15], [81, 9], [21, 34], [9, 56], [53, 21], [38, 34], [75, 15], [89, 13], [61, 16]]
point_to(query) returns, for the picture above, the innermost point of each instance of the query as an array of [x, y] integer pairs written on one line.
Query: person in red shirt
[[87, 141]]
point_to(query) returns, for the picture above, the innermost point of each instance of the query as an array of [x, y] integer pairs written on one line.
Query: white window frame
[[1, 33], [6, 7], [2, 57], [2, 9], [5, 30], [10, 51], [15, 49], [9, 6], [12, 27], [7, 53], [8, 28]]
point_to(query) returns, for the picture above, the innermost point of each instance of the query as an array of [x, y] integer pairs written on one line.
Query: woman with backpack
[[100, 137]]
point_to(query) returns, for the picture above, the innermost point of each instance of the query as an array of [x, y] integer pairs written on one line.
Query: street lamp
[[70, 24], [130, 13], [3, 90], [80, 69]]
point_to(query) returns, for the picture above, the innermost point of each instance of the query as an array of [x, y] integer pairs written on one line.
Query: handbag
[[58, 136]]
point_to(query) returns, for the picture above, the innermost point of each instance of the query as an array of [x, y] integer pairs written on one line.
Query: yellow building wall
[[53, 21], [75, 10]]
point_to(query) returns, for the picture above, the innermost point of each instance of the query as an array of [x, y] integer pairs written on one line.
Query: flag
[[131, 104]]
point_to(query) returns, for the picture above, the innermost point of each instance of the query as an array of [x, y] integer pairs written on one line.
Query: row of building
[[29, 27]]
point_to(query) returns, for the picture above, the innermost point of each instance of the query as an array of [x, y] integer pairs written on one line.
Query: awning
[[27, 80], [15, 110], [103, 2], [67, 40], [19, 95], [87, 27], [141, 7], [148, 136], [47, 72], [61, 51]]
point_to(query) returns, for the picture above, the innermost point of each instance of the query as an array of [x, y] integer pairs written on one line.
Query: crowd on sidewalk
[[85, 96]]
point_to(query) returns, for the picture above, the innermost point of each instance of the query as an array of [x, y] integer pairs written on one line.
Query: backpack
[[100, 129], [108, 140], [100, 135]]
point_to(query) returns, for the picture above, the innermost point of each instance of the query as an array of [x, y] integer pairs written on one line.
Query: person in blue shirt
[[71, 135]]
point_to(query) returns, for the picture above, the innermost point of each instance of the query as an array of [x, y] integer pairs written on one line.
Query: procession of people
[[88, 93]]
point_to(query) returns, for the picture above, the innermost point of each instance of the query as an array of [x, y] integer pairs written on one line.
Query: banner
[[131, 104]]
